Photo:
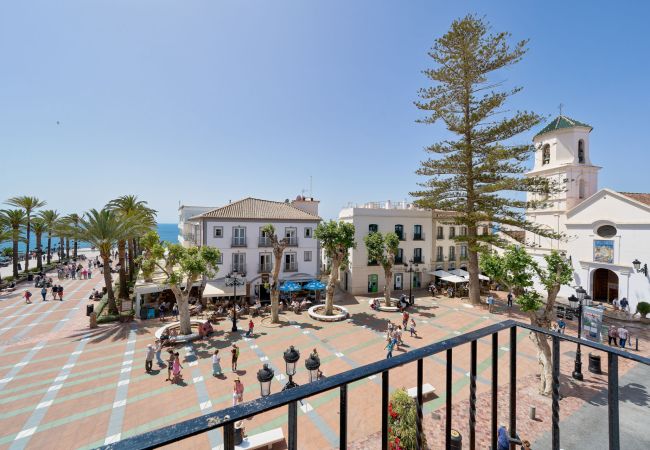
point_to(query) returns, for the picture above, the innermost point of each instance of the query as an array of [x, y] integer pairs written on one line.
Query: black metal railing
[[238, 242], [226, 418], [264, 241]]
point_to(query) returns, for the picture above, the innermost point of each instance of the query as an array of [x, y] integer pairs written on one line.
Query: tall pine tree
[[476, 172]]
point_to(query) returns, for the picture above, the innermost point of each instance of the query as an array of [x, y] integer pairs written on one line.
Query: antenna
[[561, 106], [311, 192]]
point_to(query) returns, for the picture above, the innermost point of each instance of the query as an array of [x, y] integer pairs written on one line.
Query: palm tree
[[39, 227], [14, 220], [104, 229], [51, 218], [72, 221], [128, 207], [28, 204], [5, 235]]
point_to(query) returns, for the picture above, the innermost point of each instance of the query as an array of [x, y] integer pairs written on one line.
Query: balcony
[[440, 258], [292, 241], [401, 236], [440, 236], [264, 242], [264, 268], [418, 236], [238, 242], [417, 260], [291, 267], [501, 335], [399, 260], [239, 268]]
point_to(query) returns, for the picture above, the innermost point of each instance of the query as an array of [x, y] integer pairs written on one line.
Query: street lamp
[[637, 266], [233, 279], [291, 357], [312, 364], [410, 268], [265, 376], [577, 368]]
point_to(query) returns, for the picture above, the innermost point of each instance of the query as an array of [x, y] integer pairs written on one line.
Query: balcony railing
[[292, 241], [238, 242], [291, 267], [440, 258], [226, 418], [417, 260], [264, 242], [399, 260], [264, 268], [239, 268], [401, 236], [418, 236]]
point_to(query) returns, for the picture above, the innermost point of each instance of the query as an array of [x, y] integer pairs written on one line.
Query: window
[[438, 253], [452, 253], [451, 266], [372, 228], [238, 236], [417, 232], [441, 233], [217, 232], [581, 152], [399, 257], [485, 230], [266, 263], [399, 231], [463, 252], [606, 231], [452, 232], [265, 240], [546, 154], [239, 262], [308, 231], [308, 255], [581, 188], [291, 233], [463, 231], [220, 258], [290, 264], [417, 255]]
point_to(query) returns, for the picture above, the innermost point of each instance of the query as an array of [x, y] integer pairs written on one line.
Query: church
[[606, 233]]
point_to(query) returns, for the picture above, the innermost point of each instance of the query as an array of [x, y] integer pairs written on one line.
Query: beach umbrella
[[314, 285], [290, 286]]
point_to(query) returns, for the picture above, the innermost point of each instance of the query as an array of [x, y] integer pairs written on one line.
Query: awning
[[465, 274], [454, 279], [440, 273], [219, 289]]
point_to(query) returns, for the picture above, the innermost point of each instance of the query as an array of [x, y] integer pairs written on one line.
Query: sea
[[167, 231]]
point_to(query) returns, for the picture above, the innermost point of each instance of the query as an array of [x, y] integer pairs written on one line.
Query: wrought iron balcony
[[238, 242], [418, 236], [264, 242], [292, 241], [417, 260], [225, 419], [291, 267], [239, 268], [264, 268]]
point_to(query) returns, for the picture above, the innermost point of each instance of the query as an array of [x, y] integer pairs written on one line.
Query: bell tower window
[[581, 151], [546, 154], [581, 188]]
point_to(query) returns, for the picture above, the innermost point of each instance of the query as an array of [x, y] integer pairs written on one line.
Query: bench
[[426, 389], [265, 439]]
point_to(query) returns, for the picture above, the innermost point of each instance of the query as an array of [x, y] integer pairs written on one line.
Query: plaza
[[85, 388]]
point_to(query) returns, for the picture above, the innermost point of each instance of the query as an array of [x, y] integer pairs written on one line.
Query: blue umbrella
[[290, 286], [314, 285]]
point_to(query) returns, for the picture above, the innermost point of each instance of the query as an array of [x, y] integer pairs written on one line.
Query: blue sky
[[209, 101]]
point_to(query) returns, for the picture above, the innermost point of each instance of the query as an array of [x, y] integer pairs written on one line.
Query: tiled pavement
[[88, 387]]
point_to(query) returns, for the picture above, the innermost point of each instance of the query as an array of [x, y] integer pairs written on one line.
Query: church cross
[[561, 106]]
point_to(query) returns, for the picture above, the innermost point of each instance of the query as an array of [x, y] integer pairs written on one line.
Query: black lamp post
[[291, 357], [410, 268], [233, 279], [312, 364], [265, 376], [637, 266], [577, 303]]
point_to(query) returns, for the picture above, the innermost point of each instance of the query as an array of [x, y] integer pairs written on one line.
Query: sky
[[203, 102]]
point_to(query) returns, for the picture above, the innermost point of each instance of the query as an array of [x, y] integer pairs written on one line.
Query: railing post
[[229, 436], [384, 410], [495, 388], [293, 426], [419, 404], [612, 401], [556, 393], [472, 398], [513, 384], [448, 401], [343, 417]]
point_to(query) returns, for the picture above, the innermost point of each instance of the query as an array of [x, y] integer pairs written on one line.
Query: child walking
[[413, 332]]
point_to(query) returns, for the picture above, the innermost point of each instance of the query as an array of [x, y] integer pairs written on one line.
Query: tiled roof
[[562, 122], [638, 196], [254, 208]]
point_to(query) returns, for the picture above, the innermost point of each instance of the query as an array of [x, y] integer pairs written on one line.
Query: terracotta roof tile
[[254, 208], [638, 196]]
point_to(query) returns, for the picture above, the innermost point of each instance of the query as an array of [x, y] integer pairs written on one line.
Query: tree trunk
[[27, 245], [49, 248], [75, 246], [183, 301], [275, 289], [67, 248], [331, 284], [121, 249], [39, 252], [544, 356], [388, 274], [14, 257], [131, 259], [61, 248], [473, 268], [108, 281]]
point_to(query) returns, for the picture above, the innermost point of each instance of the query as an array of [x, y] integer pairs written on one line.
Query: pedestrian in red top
[[251, 325], [27, 295]]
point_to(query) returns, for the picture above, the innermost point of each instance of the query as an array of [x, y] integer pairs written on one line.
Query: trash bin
[[594, 363], [30, 277], [456, 440], [89, 309]]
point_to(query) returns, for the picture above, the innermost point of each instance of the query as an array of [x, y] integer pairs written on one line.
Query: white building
[[605, 230], [188, 230], [236, 230]]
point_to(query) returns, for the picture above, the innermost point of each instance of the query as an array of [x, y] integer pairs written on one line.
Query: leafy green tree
[[336, 239], [51, 219], [517, 270], [473, 173], [5, 236], [382, 248], [39, 227], [180, 267], [278, 249], [14, 220], [103, 229], [28, 204]]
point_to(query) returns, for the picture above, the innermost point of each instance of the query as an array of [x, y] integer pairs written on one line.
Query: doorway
[[604, 285], [373, 283], [399, 278]]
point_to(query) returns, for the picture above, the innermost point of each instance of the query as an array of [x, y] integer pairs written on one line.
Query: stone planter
[[382, 305], [340, 313], [180, 337]]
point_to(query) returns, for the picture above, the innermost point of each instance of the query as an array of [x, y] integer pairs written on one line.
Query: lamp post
[[410, 268], [291, 357], [312, 364], [265, 376], [233, 279], [637, 266], [577, 303]]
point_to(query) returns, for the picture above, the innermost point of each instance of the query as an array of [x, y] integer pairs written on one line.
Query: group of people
[[619, 333], [394, 333], [56, 291]]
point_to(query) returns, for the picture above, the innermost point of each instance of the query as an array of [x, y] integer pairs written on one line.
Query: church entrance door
[[605, 285]]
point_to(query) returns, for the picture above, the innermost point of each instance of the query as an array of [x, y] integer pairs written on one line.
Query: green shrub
[[8, 279], [643, 308], [402, 417], [101, 306], [109, 318]]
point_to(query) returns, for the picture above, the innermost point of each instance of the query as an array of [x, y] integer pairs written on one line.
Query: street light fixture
[[577, 366], [410, 268], [234, 279], [265, 376], [312, 364], [291, 357], [637, 266]]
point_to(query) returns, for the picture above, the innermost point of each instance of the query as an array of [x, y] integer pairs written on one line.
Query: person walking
[[503, 441], [237, 392], [390, 347], [490, 302], [158, 350], [44, 293], [60, 291], [216, 364], [413, 332], [612, 334], [170, 365], [235, 355], [27, 296], [176, 368], [251, 326], [622, 336], [148, 361], [405, 319], [90, 272], [175, 311], [509, 299]]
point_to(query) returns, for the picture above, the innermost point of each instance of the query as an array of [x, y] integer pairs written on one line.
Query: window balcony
[[264, 242], [440, 236], [292, 241], [264, 268], [401, 236], [238, 242], [399, 260], [440, 258], [417, 260], [239, 268], [418, 237], [291, 267]]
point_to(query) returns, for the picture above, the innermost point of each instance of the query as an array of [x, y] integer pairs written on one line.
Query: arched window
[[581, 152], [546, 154], [581, 188]]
